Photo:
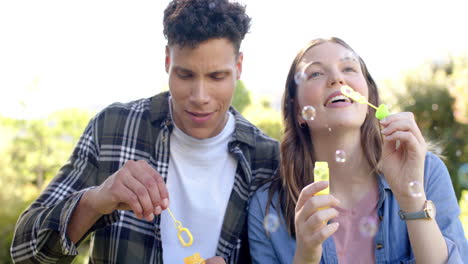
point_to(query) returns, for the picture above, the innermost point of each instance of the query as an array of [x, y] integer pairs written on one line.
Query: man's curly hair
[[191, 22]]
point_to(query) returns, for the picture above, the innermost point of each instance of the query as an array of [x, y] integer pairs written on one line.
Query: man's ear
[[240, 58], [167, 60]]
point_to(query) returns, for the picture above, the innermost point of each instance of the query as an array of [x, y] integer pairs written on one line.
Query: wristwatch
[[428, 212]]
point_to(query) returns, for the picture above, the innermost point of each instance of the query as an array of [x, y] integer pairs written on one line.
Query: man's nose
[[200, 93]]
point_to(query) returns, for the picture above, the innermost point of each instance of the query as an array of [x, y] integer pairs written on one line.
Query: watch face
[[431, 209]]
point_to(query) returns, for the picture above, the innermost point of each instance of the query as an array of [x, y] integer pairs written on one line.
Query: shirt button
[[379, 246]]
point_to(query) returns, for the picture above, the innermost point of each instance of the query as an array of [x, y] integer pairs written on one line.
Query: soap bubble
[[299, 77], [368, 226], [415, 189], [435, 107], [458, 153], [308, 112], [340, 156], [271, 223]]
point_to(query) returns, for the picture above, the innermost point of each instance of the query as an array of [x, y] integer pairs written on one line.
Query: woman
[[380, 190]]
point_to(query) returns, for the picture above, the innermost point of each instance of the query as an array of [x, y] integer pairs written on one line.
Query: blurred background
[[61, 62]]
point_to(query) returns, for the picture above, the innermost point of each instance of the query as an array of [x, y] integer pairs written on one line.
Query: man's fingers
[[143, 173], [215, 260], [161, 186], [129, 200], [141, 193]]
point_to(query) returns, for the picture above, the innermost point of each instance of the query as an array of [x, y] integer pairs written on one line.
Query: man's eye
[[219, 76], [184, 75]]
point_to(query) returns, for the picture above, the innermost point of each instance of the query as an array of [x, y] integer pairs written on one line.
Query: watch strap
[[413, 216]]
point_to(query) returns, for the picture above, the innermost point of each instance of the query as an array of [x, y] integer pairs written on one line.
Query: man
[[186, 150]]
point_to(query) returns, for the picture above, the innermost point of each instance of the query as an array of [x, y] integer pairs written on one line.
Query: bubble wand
[[181, 230], [195, 258], [382, 110]]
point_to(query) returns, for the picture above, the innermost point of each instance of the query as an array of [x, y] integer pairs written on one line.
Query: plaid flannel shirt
[[139, 130]]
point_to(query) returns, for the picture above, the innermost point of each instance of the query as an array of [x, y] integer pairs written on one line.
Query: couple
[[186, 155]]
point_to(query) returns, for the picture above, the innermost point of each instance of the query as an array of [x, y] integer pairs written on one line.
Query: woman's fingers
[[402, 122], [309, 191]]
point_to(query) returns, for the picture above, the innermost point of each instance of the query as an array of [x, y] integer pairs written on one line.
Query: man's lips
[[199, 114], [199, 117]]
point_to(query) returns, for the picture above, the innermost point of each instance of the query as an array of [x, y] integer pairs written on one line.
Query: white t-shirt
[[200, 180]]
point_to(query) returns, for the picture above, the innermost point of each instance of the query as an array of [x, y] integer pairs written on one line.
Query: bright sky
[[56, 54]]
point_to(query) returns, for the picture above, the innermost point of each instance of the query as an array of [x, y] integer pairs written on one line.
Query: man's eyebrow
[[178, 68], [220, 71]]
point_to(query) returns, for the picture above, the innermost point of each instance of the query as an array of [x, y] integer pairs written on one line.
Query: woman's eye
[[314, 74], [349, 69]]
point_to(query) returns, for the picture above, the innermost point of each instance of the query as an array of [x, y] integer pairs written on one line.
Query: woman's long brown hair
[[297, 150]]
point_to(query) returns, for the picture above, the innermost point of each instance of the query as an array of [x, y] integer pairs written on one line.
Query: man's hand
[[215, 260], [136, 186]]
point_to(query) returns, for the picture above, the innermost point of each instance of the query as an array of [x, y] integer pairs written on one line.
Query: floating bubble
[[458, 153], [299, 77], [368, 226], [67, 138], [271, 223], [435, 107], [308, 113], [415, 189], [340, 156], [51, 123], [212, 5]]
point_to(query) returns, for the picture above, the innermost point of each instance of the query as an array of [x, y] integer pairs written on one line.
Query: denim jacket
[[391, 241]]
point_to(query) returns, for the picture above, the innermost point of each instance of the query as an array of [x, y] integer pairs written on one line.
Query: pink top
[[354, 239]]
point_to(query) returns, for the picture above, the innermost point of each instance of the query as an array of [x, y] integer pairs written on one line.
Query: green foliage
[[428, 97], [31, 153], [265, 118], [241, 97]]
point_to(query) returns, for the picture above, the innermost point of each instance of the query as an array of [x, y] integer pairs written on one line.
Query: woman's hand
[[312, 215], [404, 150]]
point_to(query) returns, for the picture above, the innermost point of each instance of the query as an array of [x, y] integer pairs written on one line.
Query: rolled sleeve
[[440, 191]]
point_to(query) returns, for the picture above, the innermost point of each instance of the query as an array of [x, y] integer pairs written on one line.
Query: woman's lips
[[339, 104]]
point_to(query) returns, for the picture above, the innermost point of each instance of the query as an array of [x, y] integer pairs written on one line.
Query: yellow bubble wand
[[181, 230], [382, 110], [195, 258]]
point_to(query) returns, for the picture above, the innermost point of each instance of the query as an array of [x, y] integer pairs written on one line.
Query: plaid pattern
[[134, 131]]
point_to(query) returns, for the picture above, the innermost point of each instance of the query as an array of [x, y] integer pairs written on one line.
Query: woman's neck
[[352, 177]]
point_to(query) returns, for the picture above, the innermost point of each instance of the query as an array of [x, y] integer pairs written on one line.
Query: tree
[[265, 118], [31, 153], [241, 97], [428, 97]]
